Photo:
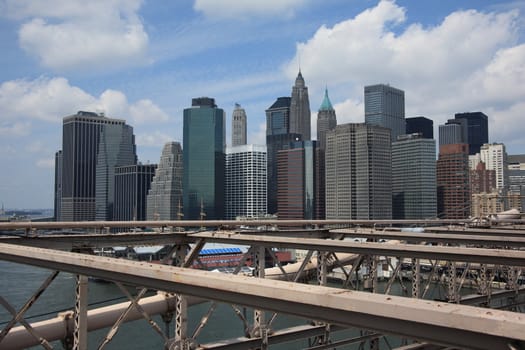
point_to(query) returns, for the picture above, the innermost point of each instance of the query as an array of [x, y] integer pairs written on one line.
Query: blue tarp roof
[[219, 251]]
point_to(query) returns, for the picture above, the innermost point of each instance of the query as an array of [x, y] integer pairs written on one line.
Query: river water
[[18, 282]]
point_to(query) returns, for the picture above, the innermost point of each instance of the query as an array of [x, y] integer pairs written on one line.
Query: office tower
[[516, 167], [238, 126], [451, 134], [164, 199], [326, 120], [297, 181], [494, 156], [132, 183], [92, 145], [204, 160], [477, 129], [482, 180], [300, 109], [116, 148], [454, 131], [414, 177], [358, 172], [421, 125], [385, 106], [58, 185], [245, 181], [453, 192], [277, 137]]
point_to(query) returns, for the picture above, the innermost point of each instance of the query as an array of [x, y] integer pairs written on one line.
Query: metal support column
[[452, 291], [416, 277], [181, 341], [259, 323], [81, 296]]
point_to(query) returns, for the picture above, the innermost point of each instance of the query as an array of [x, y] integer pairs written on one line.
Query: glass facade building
[[477, 129], [385, 106], [421, 125], [132, 183], [92, 145], [245, 181], [204, 143], [453, 187], [414, 178], [297, 181], [358, 172]]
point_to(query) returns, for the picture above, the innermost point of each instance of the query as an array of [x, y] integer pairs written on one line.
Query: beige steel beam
[[435, 322], [489, 256], [102, 225], [452, 237]]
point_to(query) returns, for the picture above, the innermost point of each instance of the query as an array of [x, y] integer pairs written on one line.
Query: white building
[[245, 181]]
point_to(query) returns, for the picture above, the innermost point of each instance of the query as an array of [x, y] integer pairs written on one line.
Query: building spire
[[326, 105]]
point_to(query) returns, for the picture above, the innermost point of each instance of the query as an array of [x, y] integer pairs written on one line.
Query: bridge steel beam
[[489, 256], [434, 322], [449, 238]]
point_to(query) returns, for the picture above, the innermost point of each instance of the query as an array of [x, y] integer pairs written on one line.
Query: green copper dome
[[326, 105]]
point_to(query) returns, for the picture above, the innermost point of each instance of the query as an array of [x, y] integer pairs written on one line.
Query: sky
[[143, 61]]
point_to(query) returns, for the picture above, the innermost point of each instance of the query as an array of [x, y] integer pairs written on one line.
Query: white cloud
[[239, 9], [146, 111], [51, 99], [46, 163], [154, 139], [68, 34], [470, 61], [15, 129]]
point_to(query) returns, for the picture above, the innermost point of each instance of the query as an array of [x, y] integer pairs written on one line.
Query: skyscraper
[[453, 189], [91, 146], [358, 172], [238, 126], [58, 185], [421, 125], [451, 134], [277, 137], [297, 181], [165, 194], [494, 156], [300, 109], [385, 106], [326, 120], [117, 148], [245, 181], [477, 129], [204, 160], [132, 183], [414, 177]]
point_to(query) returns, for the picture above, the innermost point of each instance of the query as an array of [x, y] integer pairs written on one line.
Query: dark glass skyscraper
[[385, 106], [477, 129], [92, 145], [132, 183], [58, 185], [116, 148], [421, 125], [300, 109], [204, 160], [277, 138]]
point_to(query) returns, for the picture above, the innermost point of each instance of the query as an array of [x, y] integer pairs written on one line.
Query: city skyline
[[473, 54]]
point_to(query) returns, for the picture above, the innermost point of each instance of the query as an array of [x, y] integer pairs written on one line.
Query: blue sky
[[143, 61]]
